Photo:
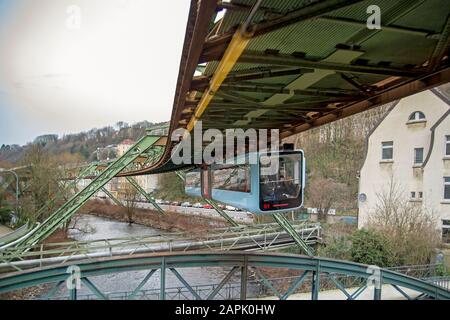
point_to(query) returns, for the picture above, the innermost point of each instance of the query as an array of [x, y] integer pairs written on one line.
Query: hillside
[[81, 145]]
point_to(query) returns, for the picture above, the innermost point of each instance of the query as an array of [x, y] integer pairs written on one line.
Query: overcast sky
[[72, 65]]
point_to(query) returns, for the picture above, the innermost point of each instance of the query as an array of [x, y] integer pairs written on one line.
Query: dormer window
[[416, 116]]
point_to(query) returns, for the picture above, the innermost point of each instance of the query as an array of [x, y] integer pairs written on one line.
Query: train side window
[[193, 179], [236, 178]]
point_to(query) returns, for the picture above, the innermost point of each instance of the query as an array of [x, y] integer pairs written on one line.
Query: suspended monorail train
[[272, 182]]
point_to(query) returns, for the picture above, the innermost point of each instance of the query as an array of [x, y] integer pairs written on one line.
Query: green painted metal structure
[[148, 197], [287, 226], [65, 212], [112, 197], [241, 262], [262, 237], [297, 65]]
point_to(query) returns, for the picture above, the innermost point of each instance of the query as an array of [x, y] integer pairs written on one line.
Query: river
[[117, 284]]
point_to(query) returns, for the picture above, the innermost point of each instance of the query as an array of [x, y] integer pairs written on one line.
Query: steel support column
[[135, 184], [287, 226], [244, 277], [111, 196], [162, 294], [73, 294], [222, 213], [316, 282], [315, 285], [214, 204], [377, 294]]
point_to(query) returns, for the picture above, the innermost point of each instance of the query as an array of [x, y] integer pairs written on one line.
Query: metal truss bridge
[[263, 237], [312, 274]]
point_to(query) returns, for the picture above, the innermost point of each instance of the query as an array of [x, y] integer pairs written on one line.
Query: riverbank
[[4, 230], [170, 221]]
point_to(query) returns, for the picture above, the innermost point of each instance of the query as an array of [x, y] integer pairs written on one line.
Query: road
[[387, 293], [239, 216]]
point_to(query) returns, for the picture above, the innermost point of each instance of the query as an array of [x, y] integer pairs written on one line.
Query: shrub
[[410, 228], [372, 248], [336, 248]]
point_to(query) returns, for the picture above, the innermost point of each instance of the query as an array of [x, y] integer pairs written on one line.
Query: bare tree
[[76, 223], [410, 227], [323, 194], [131, 196]]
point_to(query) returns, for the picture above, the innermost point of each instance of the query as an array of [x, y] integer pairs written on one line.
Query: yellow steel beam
[[234, 50]]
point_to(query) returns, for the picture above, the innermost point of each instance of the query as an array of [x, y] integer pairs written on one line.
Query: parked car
[[221, 206], [207, 206], [186, 204], [159, 201], [230, 208], [197, 205], [175, 203]]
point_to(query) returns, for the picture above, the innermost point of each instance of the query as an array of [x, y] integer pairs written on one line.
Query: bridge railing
[[258, 288], [310, 274]]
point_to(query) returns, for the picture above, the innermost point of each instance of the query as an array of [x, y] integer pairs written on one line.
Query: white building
[[410, 146], [148, 182]]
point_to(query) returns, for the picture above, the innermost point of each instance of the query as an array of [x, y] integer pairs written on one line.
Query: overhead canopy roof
[[302, 64]]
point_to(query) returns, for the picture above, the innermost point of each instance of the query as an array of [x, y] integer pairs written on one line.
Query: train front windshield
[[281, 181]]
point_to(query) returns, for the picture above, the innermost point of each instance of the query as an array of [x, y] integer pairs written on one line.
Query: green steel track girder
[[149, 198], [287, 226], [66, 211], [212, 203], [111, 196]]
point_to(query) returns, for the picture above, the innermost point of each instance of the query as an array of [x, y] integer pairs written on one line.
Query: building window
[[420, 195], [447, 188], [387, 150], [447, 145], [413, 194], [416, 116], [418, 155], [446, 231]]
